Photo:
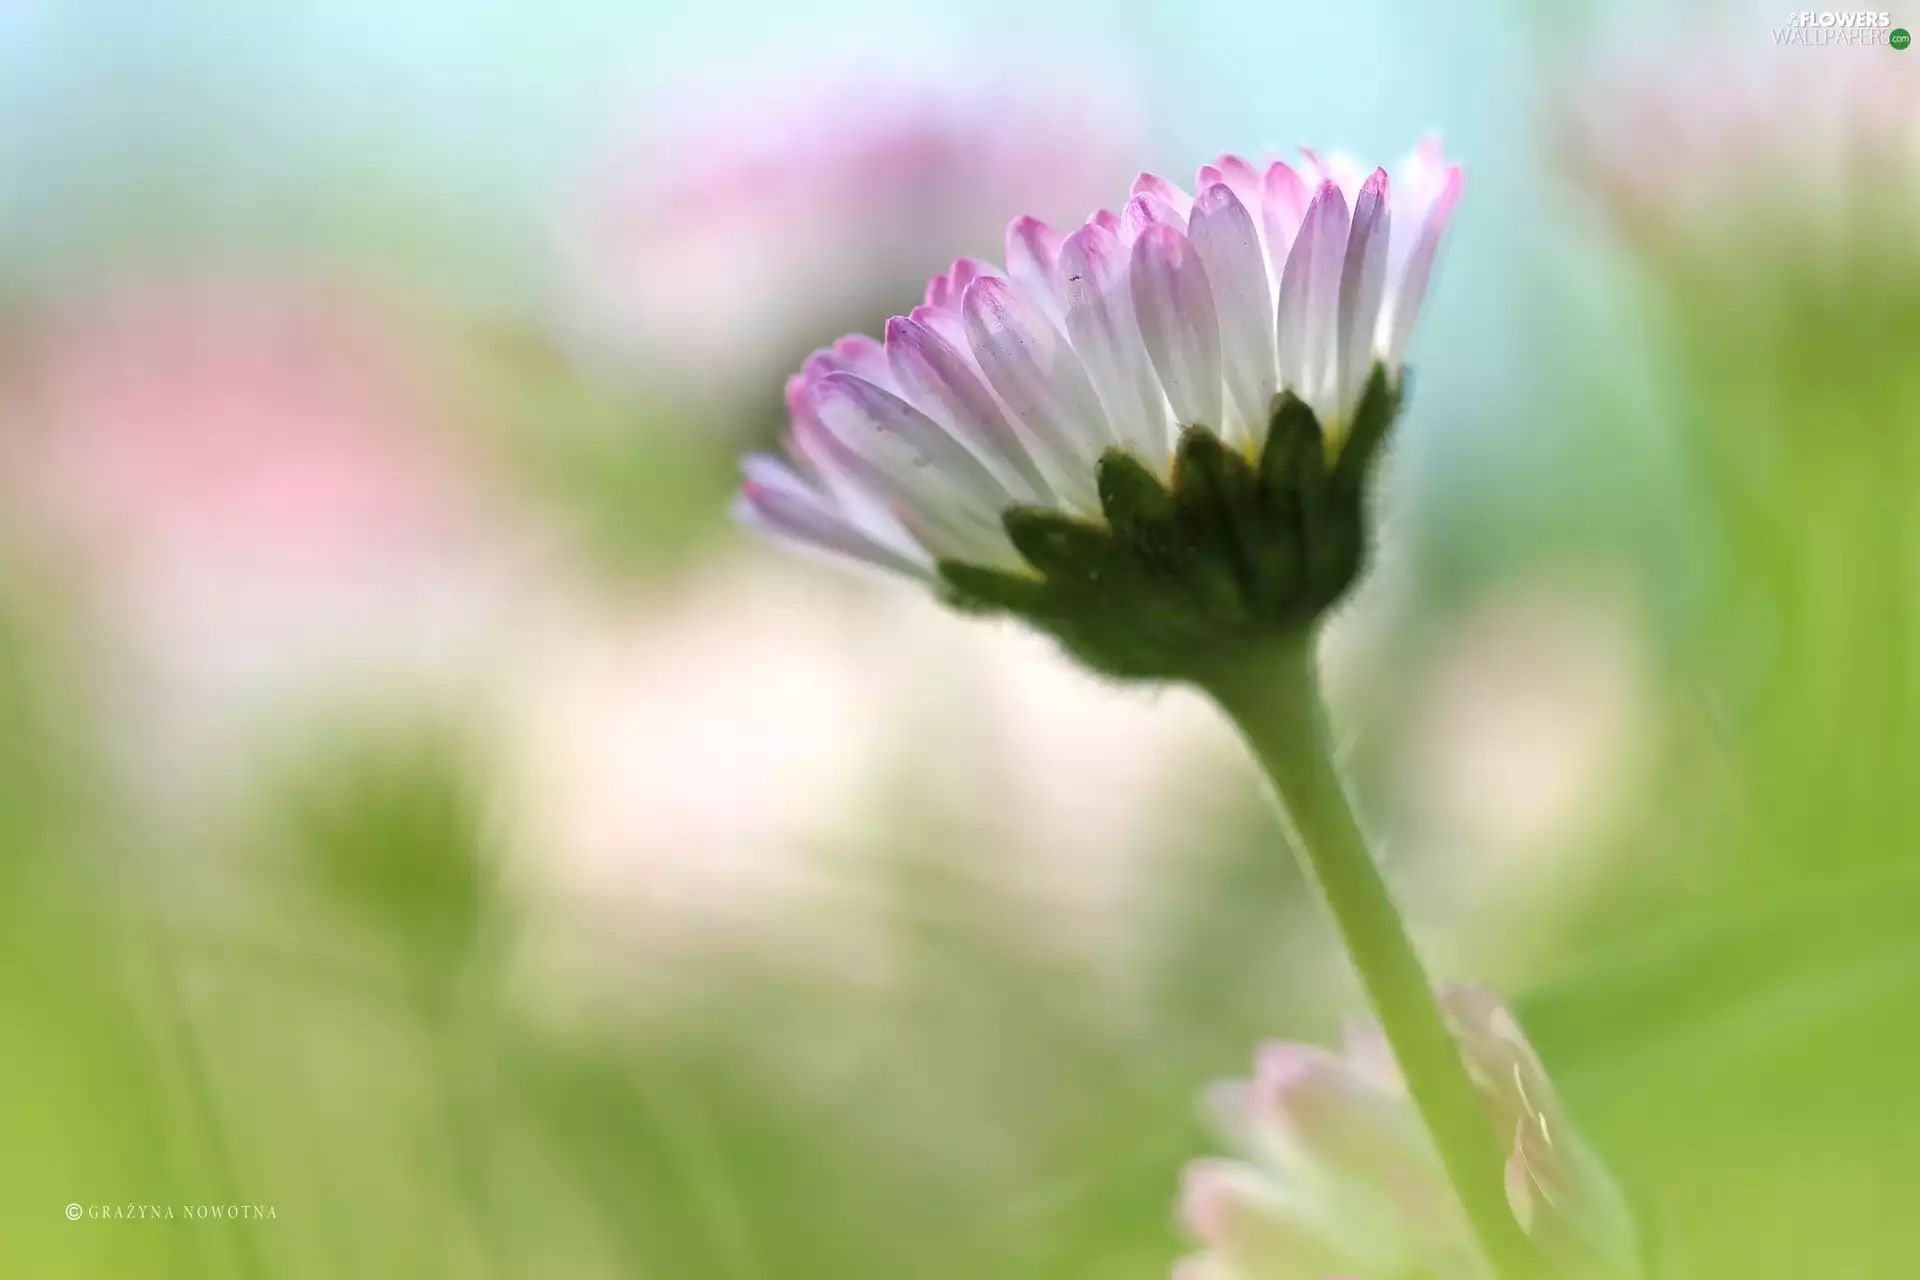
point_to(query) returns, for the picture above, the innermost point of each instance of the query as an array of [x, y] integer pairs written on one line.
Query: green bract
[[1239, 551]]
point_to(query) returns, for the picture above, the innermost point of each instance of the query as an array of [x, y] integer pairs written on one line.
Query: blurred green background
[[424, 819]]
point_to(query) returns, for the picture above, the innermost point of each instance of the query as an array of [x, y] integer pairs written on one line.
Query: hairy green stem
[[1274, 700]]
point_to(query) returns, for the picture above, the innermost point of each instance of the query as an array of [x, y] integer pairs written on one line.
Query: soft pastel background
[[423, 814]]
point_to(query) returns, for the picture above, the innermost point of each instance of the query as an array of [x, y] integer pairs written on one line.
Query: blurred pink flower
[[228, 426], [250, 487], [729, 232], [1336, 1172]]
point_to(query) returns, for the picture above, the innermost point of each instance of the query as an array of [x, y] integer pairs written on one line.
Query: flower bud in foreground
[[1335, 1173], [1150, 437]]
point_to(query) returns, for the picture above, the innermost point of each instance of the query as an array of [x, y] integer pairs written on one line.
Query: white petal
[[1363, 280], [1093, 283], [1241, 177], [1309, 292], [948, 324], [1203, 1266], [944, 385], [1258, 1226], [811, 446], [1418, 183], [1283, 206], [856, 354], [1173, 301], [1348, 1119], [1148, 210], [939, 490], [946, 290], [776, 501], [1366, 1048], [1409, 289], [1152, 184], [1033, 248], [1039, 377], [1223, 234], [882, 427], [1339, 168]]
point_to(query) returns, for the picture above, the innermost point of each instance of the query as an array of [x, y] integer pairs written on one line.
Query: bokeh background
[[424, 817]]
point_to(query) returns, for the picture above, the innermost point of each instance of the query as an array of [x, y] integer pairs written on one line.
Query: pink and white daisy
[[1007, 388], [1336, 1175]]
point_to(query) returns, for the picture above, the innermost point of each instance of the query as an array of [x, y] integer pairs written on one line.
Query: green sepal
[[1379, 405], [1064, 548], [1309, 481], [1292, 430], [974, 588], [1212, 492], [1138, 507], [1278, 556], [1179, 578]]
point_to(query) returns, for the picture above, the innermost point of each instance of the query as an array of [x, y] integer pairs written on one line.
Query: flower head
[[1336, 1173], [1148, 435]]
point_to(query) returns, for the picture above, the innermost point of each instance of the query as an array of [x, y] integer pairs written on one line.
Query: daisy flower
[[1335, 1174], [1145, 435]]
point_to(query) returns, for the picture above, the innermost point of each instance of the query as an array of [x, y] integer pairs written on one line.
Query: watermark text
[[132, 1212]]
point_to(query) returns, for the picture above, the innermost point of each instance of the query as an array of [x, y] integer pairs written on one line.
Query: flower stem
[[1274, 700]]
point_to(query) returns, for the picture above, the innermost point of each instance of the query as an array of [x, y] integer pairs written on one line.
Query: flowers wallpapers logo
[[1829, 27]]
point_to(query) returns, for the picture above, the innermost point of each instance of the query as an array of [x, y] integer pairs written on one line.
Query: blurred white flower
[[1097, 788], [1525, 727], [676, 758], [731, 764], [1695, 154]]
